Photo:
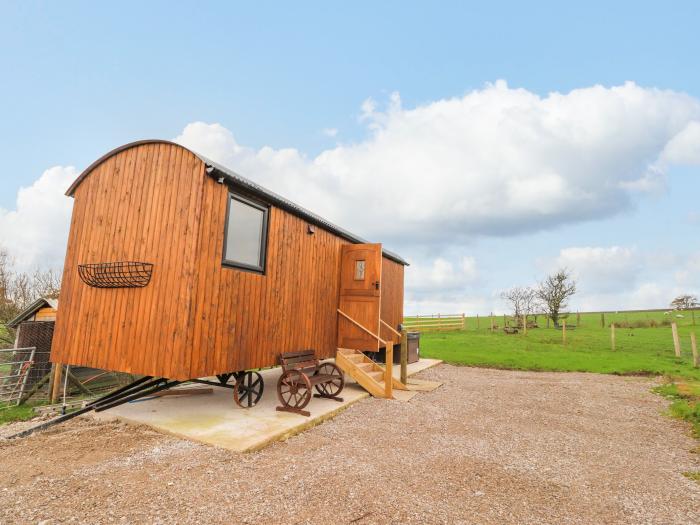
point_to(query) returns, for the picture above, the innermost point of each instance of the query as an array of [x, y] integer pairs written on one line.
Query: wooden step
[[367, 367], [353, 370], [356, 358], [377, 375]]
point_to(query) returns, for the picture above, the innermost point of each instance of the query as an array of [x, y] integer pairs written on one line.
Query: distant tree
[[522, 300], [685, 302], [554, 293], [46, 283], [18, 290], [8, 308]]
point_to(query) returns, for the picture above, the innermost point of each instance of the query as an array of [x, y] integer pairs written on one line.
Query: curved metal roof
[[218, 171]]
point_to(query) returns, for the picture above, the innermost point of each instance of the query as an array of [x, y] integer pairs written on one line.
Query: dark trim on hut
[[223, 174]]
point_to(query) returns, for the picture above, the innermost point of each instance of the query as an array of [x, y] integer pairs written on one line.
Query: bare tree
[[554, 292], [18, 290], [46, 283], [522, 300], [8, 309], [685, 302]]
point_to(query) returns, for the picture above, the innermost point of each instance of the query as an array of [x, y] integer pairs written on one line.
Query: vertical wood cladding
[[392, 298], [154, 203]]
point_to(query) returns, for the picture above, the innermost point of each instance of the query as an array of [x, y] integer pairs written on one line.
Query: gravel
[[488, 446]]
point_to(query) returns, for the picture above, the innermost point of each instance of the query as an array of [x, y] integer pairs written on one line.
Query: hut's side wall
[[137, 205], [392, 297], [244, 319]]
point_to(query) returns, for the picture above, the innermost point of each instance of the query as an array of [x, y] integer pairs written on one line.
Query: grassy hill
[[644, 345]]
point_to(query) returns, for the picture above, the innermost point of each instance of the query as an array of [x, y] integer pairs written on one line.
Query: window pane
[[244, 239]]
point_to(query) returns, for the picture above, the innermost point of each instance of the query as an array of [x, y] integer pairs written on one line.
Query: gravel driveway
[[488, 447]]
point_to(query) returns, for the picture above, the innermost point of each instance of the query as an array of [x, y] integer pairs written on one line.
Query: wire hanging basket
[[122, 274]]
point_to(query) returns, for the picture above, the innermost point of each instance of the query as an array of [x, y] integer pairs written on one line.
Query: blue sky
[[80, 78]]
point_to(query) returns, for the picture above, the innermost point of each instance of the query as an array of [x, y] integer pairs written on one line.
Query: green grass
[[643, 351], [685, 405], [16, 413]]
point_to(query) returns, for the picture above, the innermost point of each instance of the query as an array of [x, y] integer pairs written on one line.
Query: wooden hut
[[178, 267]]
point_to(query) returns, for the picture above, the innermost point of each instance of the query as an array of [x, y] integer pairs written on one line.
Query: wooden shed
[[178, 267]]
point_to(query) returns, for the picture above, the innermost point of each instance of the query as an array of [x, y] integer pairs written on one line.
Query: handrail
[[390, 328], [361, 327]]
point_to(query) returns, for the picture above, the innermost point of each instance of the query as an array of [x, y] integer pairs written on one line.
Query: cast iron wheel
[[335, 385], [294, 389], [248, 389]]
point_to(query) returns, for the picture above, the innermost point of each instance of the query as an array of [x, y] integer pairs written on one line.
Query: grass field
[[643, 350]]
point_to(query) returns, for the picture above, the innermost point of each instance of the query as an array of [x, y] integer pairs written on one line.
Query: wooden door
[[360, 295]]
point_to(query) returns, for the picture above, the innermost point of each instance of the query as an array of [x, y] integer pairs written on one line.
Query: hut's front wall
[[154, 203], [137, 205]]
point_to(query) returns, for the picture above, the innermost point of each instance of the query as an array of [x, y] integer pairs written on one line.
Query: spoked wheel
[[335, 385], [294, 390], [248, 389]]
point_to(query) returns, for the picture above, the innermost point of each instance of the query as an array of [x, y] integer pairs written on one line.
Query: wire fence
[[19, 373]]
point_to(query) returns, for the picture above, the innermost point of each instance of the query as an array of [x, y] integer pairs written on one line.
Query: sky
[[488, 143]]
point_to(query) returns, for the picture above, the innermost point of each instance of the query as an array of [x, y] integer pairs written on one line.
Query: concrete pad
[[419, 385], [215, 419], [404, 395], [418, 366]]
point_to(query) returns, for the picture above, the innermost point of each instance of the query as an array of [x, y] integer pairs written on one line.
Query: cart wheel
[[294, 389], [248, 389], [335, 385]]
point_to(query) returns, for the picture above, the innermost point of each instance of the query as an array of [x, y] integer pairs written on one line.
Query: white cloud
[[684, 148], [36, 231], [427, 180], [441, 275], [598, 269], [623, 278], [330, 132], [687, 274], [496, 161]]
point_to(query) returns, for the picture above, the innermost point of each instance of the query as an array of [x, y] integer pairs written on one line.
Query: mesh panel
[[125, 274]]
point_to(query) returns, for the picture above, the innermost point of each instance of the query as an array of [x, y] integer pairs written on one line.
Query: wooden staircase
[[370, 375]]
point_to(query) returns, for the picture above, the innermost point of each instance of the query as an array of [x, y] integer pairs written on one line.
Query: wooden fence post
[[692, 312], [602, 320], [477, 321], [462, 320], [563, 331], [676, 341], [524, 324], [57, 373], [612, 336], [491, 322], [404, 356], [388, 370], [578, 318], [694, 346]]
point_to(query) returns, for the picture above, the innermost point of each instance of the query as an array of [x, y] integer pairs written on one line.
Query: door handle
[[376, 284]]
